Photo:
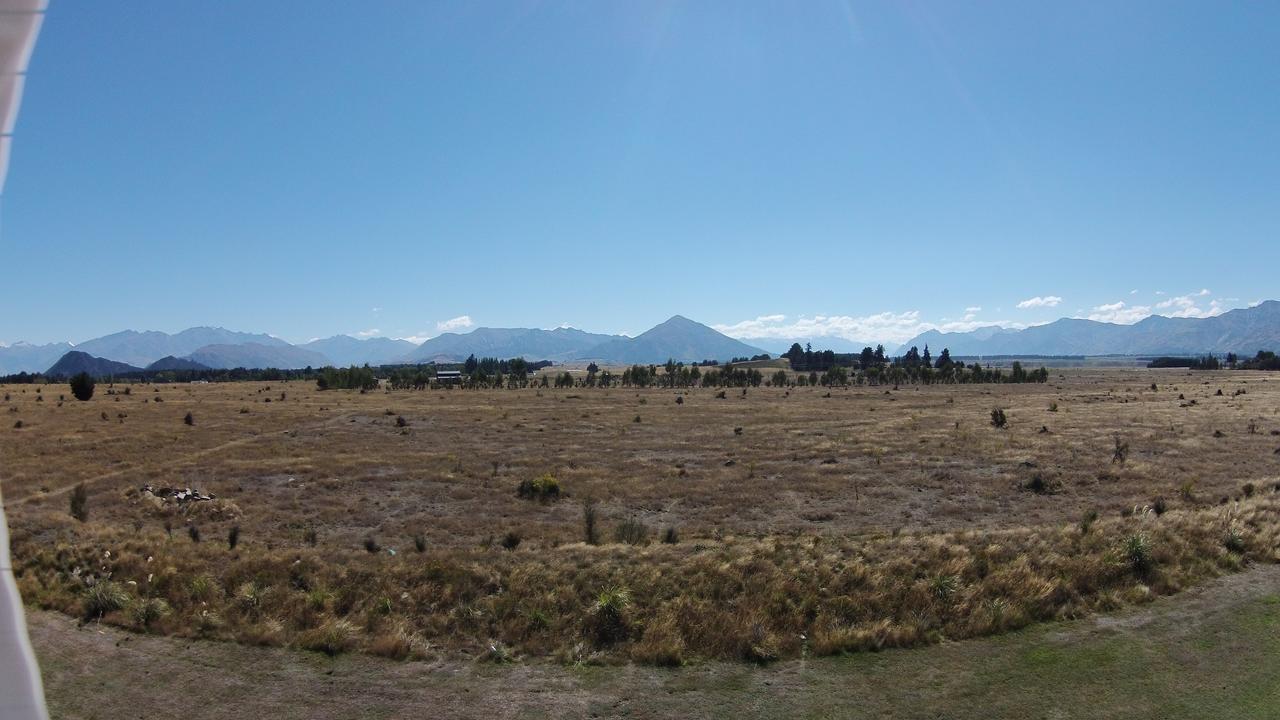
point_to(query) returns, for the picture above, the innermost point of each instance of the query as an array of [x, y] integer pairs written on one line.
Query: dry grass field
[[807, 521], [1211, 652]]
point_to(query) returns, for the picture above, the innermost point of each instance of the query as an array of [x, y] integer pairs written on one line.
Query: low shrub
[[544, 488], [631, 532], [79, 502], [1041, 485], [590, 530]]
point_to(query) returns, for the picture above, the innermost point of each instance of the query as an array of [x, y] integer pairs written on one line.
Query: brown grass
[[830, 524]]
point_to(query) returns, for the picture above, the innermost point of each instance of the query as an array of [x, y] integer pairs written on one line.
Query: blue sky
[[861, 169]]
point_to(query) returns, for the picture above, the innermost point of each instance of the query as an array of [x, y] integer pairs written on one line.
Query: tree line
[[1264, 360]]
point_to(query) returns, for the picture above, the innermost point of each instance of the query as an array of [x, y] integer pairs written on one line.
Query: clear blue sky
[[867, 169]]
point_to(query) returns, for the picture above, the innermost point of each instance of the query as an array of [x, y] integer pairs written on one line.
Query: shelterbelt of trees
[[825, 368], [1264, 360], [896, 372]]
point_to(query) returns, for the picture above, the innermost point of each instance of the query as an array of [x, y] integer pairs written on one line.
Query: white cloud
[[1133, 292], [458, 323], [972, 309], [368, 333], [886, 327], [377, 309], [1182, 306], [1037, 301], [1119, 312], [1189, 306], [416, 338]]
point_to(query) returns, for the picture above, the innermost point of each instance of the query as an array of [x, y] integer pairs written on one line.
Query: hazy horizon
[[469, 326]]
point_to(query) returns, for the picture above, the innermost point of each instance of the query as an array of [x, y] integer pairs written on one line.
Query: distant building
[[448, 376]]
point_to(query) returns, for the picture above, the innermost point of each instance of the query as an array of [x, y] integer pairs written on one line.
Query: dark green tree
[[82, 386]]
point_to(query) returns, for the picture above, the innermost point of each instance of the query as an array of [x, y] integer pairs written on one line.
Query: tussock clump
[[871, 636], [497, 653], [1087, 520], [608, 621], [1233, 540], [662, 645], [1120, 453], [1041, 485], [998, 418], [762, 645], [399, 642], [1137, 552], [146, 612], [103, 597], [943, 587], [332, 638]]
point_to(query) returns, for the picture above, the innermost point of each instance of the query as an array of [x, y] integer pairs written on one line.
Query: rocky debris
[[175, 496]]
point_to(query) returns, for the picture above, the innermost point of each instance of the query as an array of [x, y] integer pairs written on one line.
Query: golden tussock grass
[[864, 520]]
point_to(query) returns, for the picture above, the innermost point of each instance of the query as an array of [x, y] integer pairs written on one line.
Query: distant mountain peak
[[1242, 330], [677, 338], [75, 362]]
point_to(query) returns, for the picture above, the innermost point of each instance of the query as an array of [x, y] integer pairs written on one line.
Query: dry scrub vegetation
[[773, 524]]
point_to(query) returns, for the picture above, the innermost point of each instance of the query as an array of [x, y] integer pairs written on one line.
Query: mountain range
[[142, 348], [558, 344], [344, 350], [1243, 331], [217, 348], [779, 346]]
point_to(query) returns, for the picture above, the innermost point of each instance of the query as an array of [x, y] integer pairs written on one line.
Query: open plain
[[758, 527]]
